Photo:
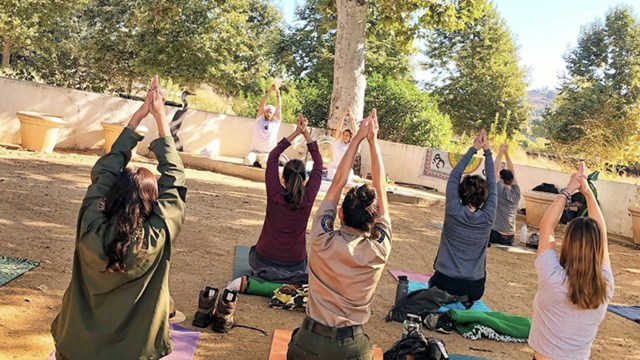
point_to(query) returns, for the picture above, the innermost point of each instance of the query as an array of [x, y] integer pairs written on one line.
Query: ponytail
[[294, 174]]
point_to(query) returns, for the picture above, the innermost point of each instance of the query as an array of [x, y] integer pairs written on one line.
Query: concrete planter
[[635, 216], [39, 132], [537, 204], [112, 131]]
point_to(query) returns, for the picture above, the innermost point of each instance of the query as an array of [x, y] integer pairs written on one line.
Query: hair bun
[[365, 195]]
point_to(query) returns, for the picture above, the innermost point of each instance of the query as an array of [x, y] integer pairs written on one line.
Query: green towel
[[493, 325]]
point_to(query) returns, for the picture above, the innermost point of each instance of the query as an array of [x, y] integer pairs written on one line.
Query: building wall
[[231, 136], [405, 163]]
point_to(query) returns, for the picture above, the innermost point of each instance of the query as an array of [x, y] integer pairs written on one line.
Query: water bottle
[[410, 325], [403, 288], [523, 234]]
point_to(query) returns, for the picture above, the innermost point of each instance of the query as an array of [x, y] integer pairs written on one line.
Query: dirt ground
[[41, 195]]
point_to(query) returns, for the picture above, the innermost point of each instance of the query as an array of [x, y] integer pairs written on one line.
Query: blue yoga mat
[[11, 267], [241, 262], [478, 305], [627, 311], [465, 357]]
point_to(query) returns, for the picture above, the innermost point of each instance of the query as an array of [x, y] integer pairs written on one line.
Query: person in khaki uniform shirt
[[345, 265], [117, 304]]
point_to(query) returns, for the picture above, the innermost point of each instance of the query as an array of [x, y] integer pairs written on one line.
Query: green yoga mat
[[11, 267]]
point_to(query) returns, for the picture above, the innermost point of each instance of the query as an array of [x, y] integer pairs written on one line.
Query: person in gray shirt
[[469, 214], [504, 227], [574, 289]]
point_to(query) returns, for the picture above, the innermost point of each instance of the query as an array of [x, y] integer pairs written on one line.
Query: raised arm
[[452, 195], [498, 162], [342, 173], [511, 167], [377, 168], [354, 126], [552, 216], [272, 175], [278, 113], [264, 101], [108, 167], [172, 190], [315, 178], [595, 212], [338, 134], [490, 205]]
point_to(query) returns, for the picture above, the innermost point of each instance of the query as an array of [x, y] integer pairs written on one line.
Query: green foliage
[[308, 48], [406, 114], [478, 75], [596, 115], [109, 45], [314, 97]]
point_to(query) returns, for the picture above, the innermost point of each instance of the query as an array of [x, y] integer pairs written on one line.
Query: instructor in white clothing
[[265, 137]]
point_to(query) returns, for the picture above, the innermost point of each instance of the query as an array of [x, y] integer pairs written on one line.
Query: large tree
[[403, 19], [477, 75], [597, 109]]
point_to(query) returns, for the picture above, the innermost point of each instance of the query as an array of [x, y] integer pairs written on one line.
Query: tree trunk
[[6, 53], [349, 82]]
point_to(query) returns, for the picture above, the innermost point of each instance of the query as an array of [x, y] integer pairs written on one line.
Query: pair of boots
[[219, 310]]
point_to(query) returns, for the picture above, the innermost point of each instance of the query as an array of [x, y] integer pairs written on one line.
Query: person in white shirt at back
[[265, 137], [575, 287], [341, 144]]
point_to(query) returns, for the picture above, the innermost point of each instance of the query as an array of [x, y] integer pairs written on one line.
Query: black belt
[[332, 332]]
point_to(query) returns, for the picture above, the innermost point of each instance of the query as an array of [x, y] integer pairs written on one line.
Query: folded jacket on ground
[[492, 325]]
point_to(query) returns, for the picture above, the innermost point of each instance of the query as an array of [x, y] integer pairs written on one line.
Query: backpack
[[548, 188], [416, 345], [422, 302]]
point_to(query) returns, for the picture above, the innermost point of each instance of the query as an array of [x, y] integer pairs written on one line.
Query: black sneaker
[[438, 322]]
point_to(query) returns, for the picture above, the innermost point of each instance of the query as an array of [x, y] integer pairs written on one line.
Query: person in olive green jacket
[[117, 304]]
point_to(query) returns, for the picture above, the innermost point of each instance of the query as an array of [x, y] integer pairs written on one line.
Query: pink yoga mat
[[184, 344], [412, 276]]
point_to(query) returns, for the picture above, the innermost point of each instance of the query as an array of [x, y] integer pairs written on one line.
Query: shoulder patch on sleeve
[[378, 234], [102, 204], [327, 223]]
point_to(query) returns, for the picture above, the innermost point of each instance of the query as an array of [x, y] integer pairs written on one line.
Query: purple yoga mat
[[412, 276], [184, 344]]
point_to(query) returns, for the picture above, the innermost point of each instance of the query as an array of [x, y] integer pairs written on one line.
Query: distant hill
[[539, 99]]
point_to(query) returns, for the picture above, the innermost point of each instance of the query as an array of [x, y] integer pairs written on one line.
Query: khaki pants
[[306, 345]]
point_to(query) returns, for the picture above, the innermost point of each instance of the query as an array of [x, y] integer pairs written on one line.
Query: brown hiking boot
[[224, 318], [206, 304]]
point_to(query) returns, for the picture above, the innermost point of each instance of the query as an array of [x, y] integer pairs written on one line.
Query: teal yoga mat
[[241, 262], [11, 267], [465, 357]]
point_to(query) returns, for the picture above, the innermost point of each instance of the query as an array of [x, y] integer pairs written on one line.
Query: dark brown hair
[[581, 257], [360, 207], [294, 174], [473, 191], [128, 204]]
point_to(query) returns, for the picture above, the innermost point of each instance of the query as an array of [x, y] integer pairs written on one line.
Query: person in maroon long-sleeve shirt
[[282, 242], [280, 254]]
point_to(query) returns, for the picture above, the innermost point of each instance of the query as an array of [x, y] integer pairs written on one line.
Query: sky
[[542, 29]]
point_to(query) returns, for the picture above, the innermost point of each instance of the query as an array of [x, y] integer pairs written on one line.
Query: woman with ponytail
[[117, 304], [280, 256], [281, 248], [574, 288], [469, 213]]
